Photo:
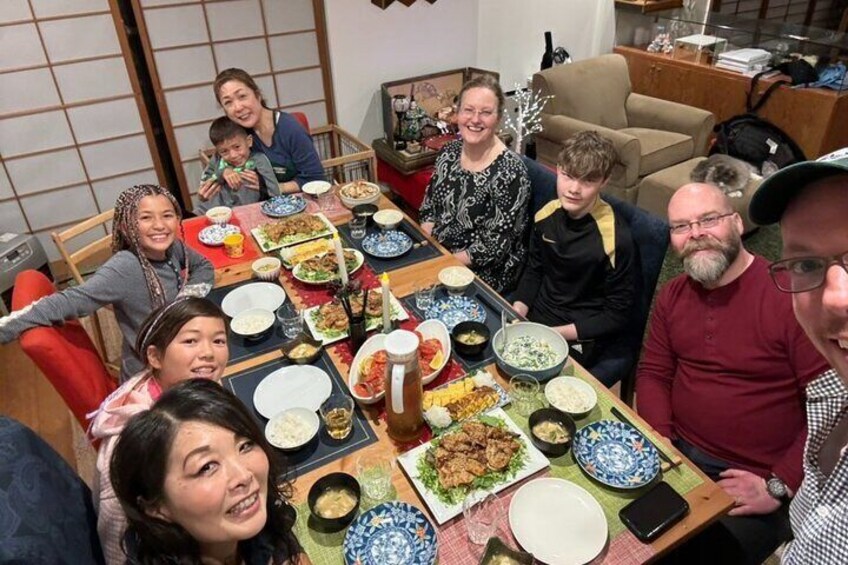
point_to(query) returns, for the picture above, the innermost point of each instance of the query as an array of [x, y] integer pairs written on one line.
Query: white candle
[[337, 244], [387, 312]]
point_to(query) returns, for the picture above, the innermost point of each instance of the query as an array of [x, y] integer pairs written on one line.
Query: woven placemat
[[681, 478]]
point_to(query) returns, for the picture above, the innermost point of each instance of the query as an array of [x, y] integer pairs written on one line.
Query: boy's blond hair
[[588, 156]]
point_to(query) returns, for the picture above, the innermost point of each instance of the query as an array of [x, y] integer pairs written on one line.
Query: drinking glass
[[374, 473], [482, 512], [327, 201], [337, 413], [357, 227], [524, 392], [424, 296], [291, 321]]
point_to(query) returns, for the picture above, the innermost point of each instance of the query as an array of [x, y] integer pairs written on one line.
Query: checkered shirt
[[819, 511]]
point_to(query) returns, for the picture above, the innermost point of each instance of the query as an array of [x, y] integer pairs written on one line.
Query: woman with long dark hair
[[211, 489], [183, 340]]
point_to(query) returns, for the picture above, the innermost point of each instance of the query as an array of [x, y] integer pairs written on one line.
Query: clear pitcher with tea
[[404, 395]]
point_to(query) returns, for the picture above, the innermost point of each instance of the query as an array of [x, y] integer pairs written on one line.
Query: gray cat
[[728, 173]]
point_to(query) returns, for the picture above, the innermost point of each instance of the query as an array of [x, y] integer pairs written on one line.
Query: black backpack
[[756, 140]]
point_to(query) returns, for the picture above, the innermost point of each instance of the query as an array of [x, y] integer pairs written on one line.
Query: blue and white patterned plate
[[214, 235], [455, 309], [387, 244], [284, 205], [616, 454], [392, 533]]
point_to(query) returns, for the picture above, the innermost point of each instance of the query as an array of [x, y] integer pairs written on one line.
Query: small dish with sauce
[[470, 337], [552, 431], [333, 502], [302, 350]]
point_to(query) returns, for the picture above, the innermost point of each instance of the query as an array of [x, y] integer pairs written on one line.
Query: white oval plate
[[303, 386], [264, 295], [558, 522]]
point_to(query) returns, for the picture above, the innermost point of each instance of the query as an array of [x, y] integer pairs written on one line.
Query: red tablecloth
[[216, 255]]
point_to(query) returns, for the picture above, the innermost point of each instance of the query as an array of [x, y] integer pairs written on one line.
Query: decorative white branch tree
[[526, 119]]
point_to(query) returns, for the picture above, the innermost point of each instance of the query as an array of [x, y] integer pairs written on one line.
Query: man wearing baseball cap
[[810, 201]]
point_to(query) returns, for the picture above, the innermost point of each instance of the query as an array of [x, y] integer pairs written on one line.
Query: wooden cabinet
[[816, 118]]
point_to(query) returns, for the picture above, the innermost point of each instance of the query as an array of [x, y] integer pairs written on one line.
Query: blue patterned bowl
[[387, 244], [284, 205], [392, 533], [616, 454]]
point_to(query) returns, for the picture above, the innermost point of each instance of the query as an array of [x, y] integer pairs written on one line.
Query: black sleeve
[[531, 279]]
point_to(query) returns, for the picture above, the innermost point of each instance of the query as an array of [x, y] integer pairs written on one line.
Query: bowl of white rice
[[571, 395], [253, 323], [292, 429]]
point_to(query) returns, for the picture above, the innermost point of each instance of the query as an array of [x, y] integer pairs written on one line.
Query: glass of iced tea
[[337, 413]]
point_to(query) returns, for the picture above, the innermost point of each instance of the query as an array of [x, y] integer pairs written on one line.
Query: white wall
[[370, 46], [511, 33]]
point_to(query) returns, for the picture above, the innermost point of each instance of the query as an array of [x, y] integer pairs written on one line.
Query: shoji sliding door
[[187, 42], [73, 129]]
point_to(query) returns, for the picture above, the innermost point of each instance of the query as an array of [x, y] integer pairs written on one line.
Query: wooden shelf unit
[[814, 117]]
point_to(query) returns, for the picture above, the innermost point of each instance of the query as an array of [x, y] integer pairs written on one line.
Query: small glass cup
[[357, 227], [374, 473], [234, 245], [524, 393], [482, 512], [337, 413], [327, 201], [424, 296], [291, 320]]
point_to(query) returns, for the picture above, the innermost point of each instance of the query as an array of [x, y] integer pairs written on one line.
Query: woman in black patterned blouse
[[477, 202]]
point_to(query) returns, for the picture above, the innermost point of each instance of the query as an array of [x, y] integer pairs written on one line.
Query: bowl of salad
[[530, 349]]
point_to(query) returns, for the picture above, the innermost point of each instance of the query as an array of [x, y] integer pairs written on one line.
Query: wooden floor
[[27, 396]]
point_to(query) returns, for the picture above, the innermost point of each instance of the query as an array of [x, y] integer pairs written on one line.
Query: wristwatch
[[777, 489]]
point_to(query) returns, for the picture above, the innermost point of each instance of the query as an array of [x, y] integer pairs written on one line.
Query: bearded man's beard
[[708, 268]]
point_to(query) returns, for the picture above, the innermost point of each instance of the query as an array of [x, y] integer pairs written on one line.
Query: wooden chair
[[88, 254]]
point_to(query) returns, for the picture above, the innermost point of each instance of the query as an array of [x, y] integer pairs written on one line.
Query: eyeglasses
[[802, 274], [703, 223], [471, 112]]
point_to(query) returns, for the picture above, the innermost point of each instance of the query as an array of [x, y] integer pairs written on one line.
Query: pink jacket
[[132, 397]]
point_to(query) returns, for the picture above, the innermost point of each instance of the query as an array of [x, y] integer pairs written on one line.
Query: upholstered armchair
[[649, 134]]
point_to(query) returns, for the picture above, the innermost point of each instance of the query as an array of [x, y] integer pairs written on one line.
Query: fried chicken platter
[[487, 452], [291, 230]]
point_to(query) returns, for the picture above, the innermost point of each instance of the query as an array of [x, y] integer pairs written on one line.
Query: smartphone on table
[[654, 512]]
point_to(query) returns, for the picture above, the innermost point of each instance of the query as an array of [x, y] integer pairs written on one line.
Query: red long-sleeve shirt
[[725, 369]]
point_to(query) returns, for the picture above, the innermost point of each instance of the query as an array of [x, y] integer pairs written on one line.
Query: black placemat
[[414, 255], [322, 449], [241, 348], [492, 302]]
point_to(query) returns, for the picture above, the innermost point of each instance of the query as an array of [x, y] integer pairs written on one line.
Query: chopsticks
[[668, 462]]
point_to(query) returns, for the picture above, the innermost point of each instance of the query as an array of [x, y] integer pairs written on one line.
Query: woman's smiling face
[[216, 486], [241, 104], [478, 115]]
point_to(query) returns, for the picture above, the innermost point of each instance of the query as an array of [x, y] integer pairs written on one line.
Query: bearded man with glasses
[[723, 376], [810, 200]]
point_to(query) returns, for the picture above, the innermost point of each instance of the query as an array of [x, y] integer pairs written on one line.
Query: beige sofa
[[649, 134]]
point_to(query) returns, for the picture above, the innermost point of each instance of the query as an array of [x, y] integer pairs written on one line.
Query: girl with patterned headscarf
[[150, 267]]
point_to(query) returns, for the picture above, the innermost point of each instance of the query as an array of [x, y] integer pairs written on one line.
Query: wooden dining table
[[707, 501]]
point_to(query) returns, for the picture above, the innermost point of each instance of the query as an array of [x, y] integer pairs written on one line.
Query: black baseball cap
[[777, 191]]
